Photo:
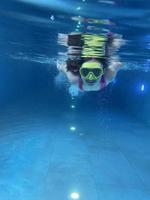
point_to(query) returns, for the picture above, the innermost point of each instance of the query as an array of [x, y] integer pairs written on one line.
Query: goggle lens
[[97, 72], [84, 72]]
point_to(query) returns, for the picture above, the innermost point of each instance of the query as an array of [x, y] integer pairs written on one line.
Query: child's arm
[[72, 78], [115, 41], [63, 39], [112, 70]]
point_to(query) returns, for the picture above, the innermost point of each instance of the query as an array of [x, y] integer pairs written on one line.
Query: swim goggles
[[93, 69]]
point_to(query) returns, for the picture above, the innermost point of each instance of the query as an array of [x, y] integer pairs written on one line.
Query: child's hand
[[61, 66], [63, 39], [115, 66], [115, 63], [118, 42]]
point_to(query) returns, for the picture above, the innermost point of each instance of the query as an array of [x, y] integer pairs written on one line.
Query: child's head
[[91, 71]]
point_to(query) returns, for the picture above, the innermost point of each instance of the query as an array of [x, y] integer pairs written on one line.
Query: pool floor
[[42, 159]]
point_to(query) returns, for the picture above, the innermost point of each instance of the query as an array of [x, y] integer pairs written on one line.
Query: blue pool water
[[97, 144]]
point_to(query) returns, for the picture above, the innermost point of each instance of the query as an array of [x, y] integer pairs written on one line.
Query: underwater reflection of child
[[91, 60]]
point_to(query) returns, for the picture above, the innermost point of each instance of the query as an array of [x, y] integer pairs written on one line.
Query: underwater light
[[142, 87], [78, 8], [52, 17], [72, 128], [75, 195], [73, 106]]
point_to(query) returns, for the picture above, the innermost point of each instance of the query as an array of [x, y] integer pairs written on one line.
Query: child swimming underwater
[[91, 63]]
